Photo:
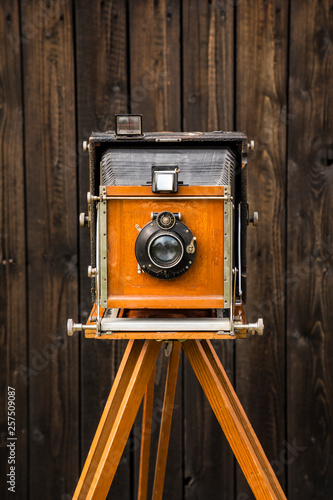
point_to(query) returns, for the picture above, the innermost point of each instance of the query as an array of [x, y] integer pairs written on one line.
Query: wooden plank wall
[[13, 288], [66, 67], [310, 251], [51, 242], [262, 85]]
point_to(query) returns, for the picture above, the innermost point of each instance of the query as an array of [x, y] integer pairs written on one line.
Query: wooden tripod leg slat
[[117, 420], [241, 415], [145, 438], [112, 405], [106, 468], [163, 442], [227, 409]]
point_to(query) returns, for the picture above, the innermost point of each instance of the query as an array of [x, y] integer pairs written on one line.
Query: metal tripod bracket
[[109, 325]]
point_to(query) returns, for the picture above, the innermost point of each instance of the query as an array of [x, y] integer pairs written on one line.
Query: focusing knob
[[74, 327], [260, 326], [92, 271], [70, 327], [166, 220], [257, 327]]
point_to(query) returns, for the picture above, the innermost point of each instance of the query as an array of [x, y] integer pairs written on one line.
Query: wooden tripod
[[135, 380]]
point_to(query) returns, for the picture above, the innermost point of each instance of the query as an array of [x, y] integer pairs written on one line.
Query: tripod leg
[[163, 442], [145, 440], [117, 420], [233, 420], [241, 415], [126, 367]]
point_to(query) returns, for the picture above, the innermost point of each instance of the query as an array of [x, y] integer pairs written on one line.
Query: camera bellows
[[198, 166]]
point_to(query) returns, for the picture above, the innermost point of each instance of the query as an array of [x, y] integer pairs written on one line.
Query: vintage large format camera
[[168, 217]]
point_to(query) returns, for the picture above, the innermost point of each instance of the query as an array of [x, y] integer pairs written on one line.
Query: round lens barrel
[[166, 250]]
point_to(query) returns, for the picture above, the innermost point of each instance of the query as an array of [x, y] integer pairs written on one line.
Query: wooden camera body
[[168, 217]]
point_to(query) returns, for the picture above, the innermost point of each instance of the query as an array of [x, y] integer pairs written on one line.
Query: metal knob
[[261, 326], [83, 219], [92, 271], [250, 146], [73, 327], [85, 146], [78, 327], [254, 218], [257, 327], [70, 329]]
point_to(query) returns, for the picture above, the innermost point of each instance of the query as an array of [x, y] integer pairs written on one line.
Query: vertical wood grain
[[208, 65], [147, 427], [310, 249], [101, 66], [13, 318], [52, 245], [155, 63], [166, 420], [262, 35], [208, 83], [155, 92]]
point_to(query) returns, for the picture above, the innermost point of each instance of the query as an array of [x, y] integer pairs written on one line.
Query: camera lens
[[166, 250]]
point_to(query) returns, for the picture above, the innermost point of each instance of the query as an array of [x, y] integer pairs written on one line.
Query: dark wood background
[[265, 67]]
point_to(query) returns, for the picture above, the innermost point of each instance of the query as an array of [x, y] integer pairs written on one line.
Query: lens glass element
[[166, 250]]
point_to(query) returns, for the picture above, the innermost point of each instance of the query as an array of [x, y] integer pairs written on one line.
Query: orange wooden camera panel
[[202, 285]]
